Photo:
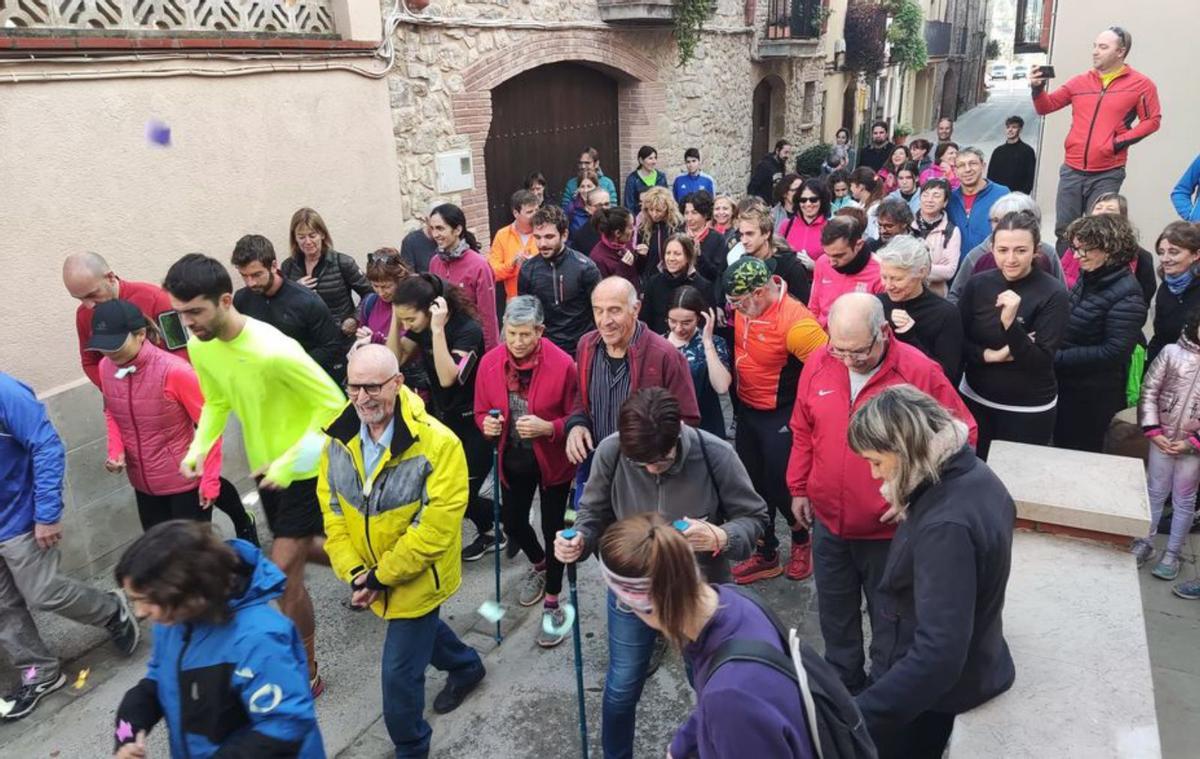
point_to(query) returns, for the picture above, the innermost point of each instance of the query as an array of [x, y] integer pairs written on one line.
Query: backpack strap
[[708, 467], [755, 651]]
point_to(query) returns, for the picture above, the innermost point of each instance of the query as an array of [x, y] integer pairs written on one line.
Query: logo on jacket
[[823, 393], [265, 699], [245, 672]]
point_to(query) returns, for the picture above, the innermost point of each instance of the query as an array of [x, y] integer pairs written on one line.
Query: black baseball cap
[[112, 321]]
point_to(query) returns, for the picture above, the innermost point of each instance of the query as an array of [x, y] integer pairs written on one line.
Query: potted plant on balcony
[[901, 133]]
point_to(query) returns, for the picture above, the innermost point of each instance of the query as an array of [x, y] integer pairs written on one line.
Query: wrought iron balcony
[[937, 38], [793, 28], [167, 17]]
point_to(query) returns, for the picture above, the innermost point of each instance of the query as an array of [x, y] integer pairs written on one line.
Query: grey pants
[[845, 571], [1077, 193], [29, 579]]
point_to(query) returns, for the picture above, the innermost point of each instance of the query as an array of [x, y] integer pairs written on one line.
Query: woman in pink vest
[[152, 400]]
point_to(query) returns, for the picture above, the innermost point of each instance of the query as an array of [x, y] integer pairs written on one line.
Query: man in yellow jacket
[[393, 490]]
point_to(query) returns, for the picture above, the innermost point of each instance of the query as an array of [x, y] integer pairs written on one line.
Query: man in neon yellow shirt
[[282, 398]]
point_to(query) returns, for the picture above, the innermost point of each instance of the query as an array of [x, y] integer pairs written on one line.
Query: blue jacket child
[[238, 689]]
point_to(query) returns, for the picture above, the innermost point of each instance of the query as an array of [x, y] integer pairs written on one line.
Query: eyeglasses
[[858, 354], [809, 199], [372, 390], [668, 459]]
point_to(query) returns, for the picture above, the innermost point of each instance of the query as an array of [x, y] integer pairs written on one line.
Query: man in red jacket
[[90, 280], [832, 487], [615, 360], [1104, 102]]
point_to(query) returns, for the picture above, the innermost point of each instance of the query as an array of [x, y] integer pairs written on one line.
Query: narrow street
[[983, 126]]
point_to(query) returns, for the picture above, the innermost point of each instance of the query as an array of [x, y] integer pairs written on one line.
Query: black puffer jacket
[[1107, 314], [660, 289], [1170, 311], [338, 276], [564, 285]]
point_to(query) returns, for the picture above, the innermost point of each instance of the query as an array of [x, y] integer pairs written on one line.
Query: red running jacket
[[1102, 119], [837, 481]]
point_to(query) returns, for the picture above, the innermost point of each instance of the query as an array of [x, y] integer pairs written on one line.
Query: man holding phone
[[91, 281], [1102, 102]]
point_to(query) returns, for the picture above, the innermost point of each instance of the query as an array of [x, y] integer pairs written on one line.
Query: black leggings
[[923, 738], [517, 502], [479, 465], [153, 509], [764, 444], [1036, 428]]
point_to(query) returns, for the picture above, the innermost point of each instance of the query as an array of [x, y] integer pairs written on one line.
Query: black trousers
[[923, 738], [764, 444], [524, 479], [1084, 413], [154, 509], [845, 571], [1014, 426], [479, 465]]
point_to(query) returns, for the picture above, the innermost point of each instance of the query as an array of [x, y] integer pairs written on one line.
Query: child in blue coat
[[218, 640]]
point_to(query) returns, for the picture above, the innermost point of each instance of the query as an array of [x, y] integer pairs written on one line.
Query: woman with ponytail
[[743, 708], [438, 319], [459, 262]]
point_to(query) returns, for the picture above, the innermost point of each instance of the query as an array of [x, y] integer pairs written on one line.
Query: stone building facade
[[448, 69]]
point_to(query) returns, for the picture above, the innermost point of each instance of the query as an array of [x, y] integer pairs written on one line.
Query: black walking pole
[[569, 534], [495, 414]]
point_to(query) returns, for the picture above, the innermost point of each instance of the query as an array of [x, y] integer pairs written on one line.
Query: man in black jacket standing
[[768, 171], [561, 278], [293, 309], [1013, 164], [875, 154]]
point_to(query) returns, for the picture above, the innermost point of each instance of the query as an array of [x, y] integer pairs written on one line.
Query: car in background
[[999, 71], [1020, 71]]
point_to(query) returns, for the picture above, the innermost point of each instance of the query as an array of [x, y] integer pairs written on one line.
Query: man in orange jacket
[[514, 243], [1103, 103]]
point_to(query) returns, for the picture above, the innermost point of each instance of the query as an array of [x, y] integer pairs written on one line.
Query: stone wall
[[441, 84]]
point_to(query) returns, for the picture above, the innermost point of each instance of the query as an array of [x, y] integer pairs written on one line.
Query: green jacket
[[403, 521]]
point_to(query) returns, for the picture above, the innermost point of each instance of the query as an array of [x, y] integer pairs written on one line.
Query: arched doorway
[[850, 106], [540, 120], [950, 94], [760, 145]]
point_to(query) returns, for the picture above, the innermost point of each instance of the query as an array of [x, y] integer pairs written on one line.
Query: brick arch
[[640, 97]]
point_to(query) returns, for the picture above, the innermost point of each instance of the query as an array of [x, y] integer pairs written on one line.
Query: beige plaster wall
[[1160, 40], [78, 173]]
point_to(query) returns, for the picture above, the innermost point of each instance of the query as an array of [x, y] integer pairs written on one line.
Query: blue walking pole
[[569, 534], [495, 414]]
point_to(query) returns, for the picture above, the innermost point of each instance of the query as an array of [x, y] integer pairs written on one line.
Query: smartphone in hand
[[1046, 71]]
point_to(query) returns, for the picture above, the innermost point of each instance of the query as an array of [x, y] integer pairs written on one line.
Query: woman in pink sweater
[[802, 229], [459, 262]]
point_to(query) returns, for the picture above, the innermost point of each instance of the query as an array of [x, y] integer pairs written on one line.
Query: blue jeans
[[411, 646], [630, 645]]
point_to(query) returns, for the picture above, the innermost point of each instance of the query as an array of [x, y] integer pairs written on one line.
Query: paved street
[[983, 126]]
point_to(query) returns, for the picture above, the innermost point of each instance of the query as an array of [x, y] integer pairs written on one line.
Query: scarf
[[458, 252], [856, 264], [1177, 283], [925, 227], [1096, 275], [514, 368], [945, 443]]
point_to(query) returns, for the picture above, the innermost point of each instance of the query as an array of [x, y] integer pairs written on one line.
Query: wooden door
[[761, 143], [541, 120]]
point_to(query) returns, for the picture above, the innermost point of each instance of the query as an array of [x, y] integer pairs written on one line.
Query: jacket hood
[[266, 580]]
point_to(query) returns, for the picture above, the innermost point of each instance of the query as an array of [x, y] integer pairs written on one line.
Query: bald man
[[401, 567], [618, 358], [832, 488], [90, 280]]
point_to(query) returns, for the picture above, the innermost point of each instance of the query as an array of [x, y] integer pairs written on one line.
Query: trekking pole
[[495, 414], [569, 534]]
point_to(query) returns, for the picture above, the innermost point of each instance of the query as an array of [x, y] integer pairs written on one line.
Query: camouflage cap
[[746, 275]]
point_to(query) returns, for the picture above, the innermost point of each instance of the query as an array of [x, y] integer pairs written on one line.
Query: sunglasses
[[809, 199], [383, 258]]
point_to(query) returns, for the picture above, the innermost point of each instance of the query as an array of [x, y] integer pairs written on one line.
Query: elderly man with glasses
[[832, 488], [393, 491]]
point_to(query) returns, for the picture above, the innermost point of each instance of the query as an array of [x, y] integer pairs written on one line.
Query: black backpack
[[835, 725]]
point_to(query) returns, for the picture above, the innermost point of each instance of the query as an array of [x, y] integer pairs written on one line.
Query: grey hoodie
[[618, 488]]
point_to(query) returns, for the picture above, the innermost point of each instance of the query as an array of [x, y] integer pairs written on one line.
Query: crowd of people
[[875, 328]]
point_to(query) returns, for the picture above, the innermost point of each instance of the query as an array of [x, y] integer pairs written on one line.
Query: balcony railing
[[158, 17], [937, 38], [794, 19]]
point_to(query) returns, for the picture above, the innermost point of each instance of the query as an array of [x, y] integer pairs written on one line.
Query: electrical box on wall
[[455, 171]]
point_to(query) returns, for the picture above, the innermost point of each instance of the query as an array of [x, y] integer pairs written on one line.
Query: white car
[[999, 71], [1020, 72]]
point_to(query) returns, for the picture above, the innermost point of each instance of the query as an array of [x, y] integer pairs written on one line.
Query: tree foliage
[[907, 35], [690, 16], [866, 31]]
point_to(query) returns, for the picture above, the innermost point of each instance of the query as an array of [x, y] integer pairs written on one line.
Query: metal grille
[[222, 16], [793, 19]]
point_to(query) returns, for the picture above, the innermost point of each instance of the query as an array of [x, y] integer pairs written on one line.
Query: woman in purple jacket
[[744, 708]]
